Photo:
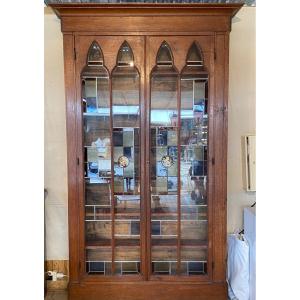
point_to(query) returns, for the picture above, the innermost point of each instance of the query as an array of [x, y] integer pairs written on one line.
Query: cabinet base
[[148, 291]]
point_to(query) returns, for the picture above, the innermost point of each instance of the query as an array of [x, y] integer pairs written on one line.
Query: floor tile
[[57, 295]]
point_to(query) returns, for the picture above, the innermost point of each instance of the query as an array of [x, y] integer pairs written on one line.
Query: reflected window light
[[162, 116], [126, 110]]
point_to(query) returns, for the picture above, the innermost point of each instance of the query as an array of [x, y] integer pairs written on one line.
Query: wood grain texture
[[148, 290], [145, 18], [57, 295], [142, 24], [220, 151], [166, 9], [145, 27], [61, 266], [70, 91]]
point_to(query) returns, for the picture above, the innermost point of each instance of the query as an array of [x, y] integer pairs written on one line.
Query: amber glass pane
[[125, 56], [164, 164], [126, 160], [164, 55], [193, 166], [95, 56], [97, 163], [194, 57]]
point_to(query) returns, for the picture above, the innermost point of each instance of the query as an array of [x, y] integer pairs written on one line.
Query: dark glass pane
[[164, 268], [123, 268], [194, 267]]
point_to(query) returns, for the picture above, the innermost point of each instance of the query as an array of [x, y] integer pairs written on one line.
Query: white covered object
[[250, 234], [238, 268]]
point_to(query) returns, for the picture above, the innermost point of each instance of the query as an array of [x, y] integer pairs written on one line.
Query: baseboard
[[61, 266]]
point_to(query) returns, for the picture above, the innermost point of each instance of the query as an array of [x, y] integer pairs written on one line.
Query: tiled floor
[[59, 295]]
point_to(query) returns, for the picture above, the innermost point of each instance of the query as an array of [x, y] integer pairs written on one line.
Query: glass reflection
[[193, 164], [194, 56], [95, 56], [164, 111], [164, 55], [164, 163], [125, 56], [126, 162], [97, 163], [125, 88]]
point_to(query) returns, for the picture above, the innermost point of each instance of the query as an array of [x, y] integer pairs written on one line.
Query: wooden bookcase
[[146, 97]]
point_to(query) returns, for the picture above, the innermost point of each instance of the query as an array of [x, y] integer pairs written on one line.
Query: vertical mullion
[[147, 192], [141, 170], [178, 176], [112, 206]]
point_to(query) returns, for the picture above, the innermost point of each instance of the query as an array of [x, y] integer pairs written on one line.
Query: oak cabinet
[[146, 96]]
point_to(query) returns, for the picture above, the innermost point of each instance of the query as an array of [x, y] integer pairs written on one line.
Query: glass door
[[145, 202], [178, 164], [111, 151]]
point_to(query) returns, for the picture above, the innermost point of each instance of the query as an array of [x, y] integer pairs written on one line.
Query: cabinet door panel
[[180, 93], [109, 73]]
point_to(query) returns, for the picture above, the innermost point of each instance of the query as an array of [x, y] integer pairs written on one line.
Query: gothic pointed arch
[[164, 55], [95, 55], [125, 56], [194, 56]]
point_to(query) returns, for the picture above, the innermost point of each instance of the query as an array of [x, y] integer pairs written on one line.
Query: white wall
[[241, 121], [55, 142], [241, 110]]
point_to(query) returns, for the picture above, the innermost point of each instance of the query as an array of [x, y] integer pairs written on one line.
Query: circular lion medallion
[[123, 161], [167, 161]]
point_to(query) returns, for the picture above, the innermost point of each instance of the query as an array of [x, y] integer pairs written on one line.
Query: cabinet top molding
[[144, 9]]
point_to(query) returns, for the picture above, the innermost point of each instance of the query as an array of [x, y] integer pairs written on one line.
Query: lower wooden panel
[[60, 266], [148, 290]]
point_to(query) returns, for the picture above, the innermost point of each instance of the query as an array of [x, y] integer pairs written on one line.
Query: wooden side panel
[[68, 41], [143, 24], [220, 149]]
